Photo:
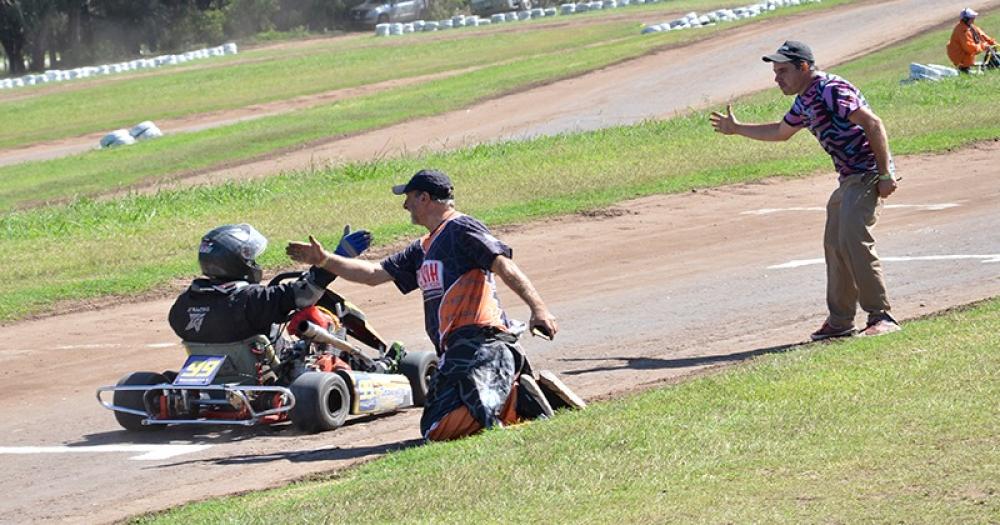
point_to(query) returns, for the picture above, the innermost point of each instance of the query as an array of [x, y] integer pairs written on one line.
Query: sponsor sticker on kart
[[378, 393], [199, 370]]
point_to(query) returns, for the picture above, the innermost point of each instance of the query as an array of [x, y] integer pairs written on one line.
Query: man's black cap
[[791, 50], [435, 183]]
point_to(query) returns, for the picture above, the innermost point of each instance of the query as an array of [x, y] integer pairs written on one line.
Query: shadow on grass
[[650, 363]]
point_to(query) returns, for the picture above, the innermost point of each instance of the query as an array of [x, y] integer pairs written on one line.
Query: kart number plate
[[199, 370]]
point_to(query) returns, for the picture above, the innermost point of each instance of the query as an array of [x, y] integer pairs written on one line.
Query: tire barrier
[[144, 130], [56, 75], [118, 137], [933, 72], [694, 20], [691, 20]]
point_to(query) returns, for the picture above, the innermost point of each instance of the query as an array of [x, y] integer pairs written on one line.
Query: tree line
[[36, 35]]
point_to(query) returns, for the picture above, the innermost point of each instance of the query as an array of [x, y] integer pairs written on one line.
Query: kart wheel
[[322, 401], [419, 368], [133, 400]]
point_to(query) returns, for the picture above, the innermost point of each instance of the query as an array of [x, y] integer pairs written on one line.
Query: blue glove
[[353, 244]]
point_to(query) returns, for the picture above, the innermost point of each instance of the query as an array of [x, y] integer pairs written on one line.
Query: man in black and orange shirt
[[482, 367]]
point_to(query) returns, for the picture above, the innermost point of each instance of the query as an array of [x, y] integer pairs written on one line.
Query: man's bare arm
[[879, 141], [356, 270], [770, 132], [513, 277]]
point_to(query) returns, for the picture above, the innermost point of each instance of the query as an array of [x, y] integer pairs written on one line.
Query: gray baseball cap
[[434, 182]]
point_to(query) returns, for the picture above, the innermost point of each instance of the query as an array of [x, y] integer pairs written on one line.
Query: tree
[[12, 35], [40, 19]]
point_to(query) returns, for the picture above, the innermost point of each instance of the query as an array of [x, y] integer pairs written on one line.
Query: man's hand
[[310, 253], [544, 322], [353, 244], [886, 187], [725, 124]]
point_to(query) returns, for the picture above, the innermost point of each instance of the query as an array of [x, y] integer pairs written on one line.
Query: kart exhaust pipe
[[311, 330]]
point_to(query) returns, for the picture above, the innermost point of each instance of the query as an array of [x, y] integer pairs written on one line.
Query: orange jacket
[[964, 44]]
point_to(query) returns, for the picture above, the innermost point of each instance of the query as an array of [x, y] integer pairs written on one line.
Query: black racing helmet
[[229, 253]]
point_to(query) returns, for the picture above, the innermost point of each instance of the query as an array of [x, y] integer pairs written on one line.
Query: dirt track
[[654, 290]]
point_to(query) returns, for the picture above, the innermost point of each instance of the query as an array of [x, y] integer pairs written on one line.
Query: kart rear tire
[[419, 368], [133, 400], [322, 401]]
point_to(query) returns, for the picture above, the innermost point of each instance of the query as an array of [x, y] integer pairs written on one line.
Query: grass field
[[256, 76], [135, 244], [508, 62], [903, 428]]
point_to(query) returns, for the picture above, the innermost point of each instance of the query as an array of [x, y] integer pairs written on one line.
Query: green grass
[[542, 56], [257, 76], [134, 244], [904, 428], [238, 81]]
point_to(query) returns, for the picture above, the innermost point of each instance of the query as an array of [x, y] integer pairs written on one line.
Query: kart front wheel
[[134, 399], [419, 368], [322, 401]]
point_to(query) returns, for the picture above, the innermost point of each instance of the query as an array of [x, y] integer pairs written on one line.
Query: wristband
[[885, 176]]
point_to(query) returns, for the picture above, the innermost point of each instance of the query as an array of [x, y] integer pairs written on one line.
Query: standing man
[[839, 116], [967, 41], [483, 379]]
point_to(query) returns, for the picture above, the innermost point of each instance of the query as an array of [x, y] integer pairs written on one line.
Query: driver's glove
[[320, 277], [353, 244], [311, 286]]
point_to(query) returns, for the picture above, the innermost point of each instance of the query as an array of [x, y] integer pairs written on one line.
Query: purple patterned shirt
[[824, 108]]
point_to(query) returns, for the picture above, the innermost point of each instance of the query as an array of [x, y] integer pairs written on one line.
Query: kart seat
[[242, 358]]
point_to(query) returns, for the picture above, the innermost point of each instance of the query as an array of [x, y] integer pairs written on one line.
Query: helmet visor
[[250, 241]]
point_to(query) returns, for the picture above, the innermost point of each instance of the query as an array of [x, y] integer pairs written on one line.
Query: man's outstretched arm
[[770, 132], [356, 270]]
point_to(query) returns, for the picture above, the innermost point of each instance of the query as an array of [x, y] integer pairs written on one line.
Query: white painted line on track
[[767, 211], [147, 452], [91, 346], [925, 207], [808, 262]]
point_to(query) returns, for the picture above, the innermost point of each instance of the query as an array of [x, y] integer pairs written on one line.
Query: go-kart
[[991, 60], [311, 371]]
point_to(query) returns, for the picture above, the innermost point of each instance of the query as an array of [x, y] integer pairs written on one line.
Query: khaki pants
[[853, 271]]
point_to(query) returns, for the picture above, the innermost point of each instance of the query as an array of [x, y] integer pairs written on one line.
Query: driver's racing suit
[[229, 312]]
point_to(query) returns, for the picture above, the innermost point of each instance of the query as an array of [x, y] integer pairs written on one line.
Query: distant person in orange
[[967, 41]]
